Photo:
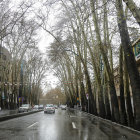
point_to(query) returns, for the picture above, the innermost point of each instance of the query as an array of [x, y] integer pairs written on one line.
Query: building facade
[[5, 58]]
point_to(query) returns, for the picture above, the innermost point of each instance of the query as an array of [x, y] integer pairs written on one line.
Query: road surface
[[63, 125]]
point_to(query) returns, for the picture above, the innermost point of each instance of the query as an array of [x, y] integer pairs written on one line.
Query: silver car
[[63, 107], [25, 108], [41, 107], [36, 107], [49, 108]]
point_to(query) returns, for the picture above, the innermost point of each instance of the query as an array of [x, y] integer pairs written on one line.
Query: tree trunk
[[84, 101], [97, 77], [122, 100], [130, 116], [107, 104], [92, 104], [130, 61], [113, 95], [106, 35], [134, 9]]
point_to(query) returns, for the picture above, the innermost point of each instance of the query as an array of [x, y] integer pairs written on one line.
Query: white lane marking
[[73, 125], [32, 125]]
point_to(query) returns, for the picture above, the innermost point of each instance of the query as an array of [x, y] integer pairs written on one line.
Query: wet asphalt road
[[63, 125]]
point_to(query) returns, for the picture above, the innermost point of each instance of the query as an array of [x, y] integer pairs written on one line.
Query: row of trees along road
[[89, 35], [91, 38], [22, 75]]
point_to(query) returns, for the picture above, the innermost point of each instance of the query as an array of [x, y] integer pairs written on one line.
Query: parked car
[[25, 108], [41, 106], [49, 108], [36, 107], [63, 107], [56, 106]]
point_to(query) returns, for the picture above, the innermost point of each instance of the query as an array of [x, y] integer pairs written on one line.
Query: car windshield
[[49, 105], [25, 105]]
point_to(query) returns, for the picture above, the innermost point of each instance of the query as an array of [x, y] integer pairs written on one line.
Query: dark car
[[41, 106]]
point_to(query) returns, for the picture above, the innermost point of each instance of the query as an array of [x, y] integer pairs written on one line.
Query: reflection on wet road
[[63, 125]]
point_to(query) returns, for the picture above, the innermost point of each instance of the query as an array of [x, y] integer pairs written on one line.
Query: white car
[[63, 107], [36, 107], [49, 108], [25, 108]]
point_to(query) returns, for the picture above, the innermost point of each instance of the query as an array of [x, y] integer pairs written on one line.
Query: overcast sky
[[45, 40]]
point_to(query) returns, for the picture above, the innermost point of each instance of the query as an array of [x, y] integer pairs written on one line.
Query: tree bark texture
[[106, 96], [130, 61], [113, 95], [134, 9], [130, 115], [123, 117]]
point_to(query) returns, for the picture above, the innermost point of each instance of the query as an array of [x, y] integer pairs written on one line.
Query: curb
[[109, 122], [8, 117]]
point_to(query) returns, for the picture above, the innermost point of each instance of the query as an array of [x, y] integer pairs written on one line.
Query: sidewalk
[[11, 114], [104, 122], [8, 112]]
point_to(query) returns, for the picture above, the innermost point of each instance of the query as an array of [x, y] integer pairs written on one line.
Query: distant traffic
[[48, 108]]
